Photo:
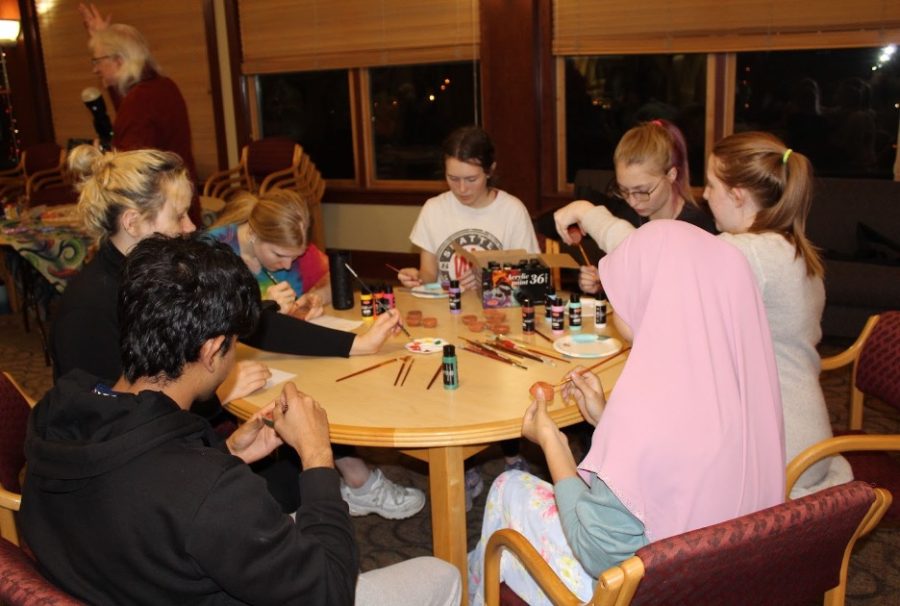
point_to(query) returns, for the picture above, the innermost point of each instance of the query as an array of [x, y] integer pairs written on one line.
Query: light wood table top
[[442, 427]]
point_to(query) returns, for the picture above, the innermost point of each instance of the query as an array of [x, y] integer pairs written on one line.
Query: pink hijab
[[692, 434]]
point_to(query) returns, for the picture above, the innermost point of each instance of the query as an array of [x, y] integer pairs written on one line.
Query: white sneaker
[[387, 499]]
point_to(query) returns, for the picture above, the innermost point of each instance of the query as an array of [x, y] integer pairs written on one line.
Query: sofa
[[856, 225], [854, 222]]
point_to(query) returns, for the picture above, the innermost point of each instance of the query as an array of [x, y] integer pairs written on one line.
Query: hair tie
[[657, 122], [787, 154]]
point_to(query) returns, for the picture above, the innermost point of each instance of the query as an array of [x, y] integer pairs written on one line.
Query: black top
[[127, 500], [85, 332], [545, 225]]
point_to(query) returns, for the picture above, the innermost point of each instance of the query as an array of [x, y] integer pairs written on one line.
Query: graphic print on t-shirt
[[451, 265]]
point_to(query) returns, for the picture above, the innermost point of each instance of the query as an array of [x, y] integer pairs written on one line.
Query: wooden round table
[[438, 426]]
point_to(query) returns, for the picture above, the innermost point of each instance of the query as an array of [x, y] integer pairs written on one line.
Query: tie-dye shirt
[[304, 273]]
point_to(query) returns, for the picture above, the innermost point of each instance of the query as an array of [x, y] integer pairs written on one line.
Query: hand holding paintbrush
[[369, 291], [583, 386], [280, 292]]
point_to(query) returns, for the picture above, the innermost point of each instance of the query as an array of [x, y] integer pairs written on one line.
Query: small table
[[55, 252], [438, 426]]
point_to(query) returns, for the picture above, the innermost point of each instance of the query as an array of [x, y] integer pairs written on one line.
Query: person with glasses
[[653, 177], [150, 110]]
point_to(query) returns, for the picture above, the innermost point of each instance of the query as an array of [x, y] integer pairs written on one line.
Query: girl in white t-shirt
[[473, 214]]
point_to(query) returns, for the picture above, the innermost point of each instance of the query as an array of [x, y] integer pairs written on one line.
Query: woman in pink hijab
[[692, 433]]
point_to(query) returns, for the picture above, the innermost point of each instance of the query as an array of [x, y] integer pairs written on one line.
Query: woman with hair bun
[[124, 198]]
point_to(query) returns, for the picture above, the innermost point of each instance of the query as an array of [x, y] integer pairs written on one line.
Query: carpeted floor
[[874, 577]]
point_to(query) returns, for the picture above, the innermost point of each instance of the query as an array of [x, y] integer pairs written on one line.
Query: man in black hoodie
[[131, 499]]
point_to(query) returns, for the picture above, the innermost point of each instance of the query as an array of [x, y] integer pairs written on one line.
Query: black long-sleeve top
[[85, 331]]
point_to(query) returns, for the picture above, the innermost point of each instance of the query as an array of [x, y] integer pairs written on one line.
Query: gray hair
[[128, 44]]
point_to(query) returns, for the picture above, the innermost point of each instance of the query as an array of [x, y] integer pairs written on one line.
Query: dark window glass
[[414, 108], [313, 109], [605, 96], [839, 107]]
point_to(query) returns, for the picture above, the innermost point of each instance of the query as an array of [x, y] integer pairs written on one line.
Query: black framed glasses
[[637, 195]]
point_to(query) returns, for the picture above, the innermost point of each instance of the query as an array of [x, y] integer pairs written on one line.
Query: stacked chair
[[39, 178]]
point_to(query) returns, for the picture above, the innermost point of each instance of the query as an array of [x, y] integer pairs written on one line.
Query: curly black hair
[[176, 293]]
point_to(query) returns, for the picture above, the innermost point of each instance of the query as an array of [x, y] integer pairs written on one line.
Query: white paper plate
[[426, 345], [587, 345], [429, 291]]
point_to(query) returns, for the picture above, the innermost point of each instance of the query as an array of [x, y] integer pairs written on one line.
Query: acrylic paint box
[[509, 276]]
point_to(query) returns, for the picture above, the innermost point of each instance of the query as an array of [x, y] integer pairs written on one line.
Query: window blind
[[591, 27], [297, 35]]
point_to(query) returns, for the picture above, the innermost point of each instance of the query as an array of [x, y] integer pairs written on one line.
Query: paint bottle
[[575, 312], [455, 297], [389, 297], [600, 311], [365, 305], [451, 369], [527, 317], [558, 316], [548, 304], [378, 303]]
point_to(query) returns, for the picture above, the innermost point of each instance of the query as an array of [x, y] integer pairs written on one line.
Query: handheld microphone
[[93, 100]]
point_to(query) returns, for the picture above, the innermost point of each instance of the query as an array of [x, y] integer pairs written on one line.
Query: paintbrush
[[270, 276], [408, 368], [367, 369], [584, 254], [400, 372], [537, 350], [381, 304], [543, 336], [483, 349], [487, 353], [593, 366], [434, 378], [513, 351], [392, 268]]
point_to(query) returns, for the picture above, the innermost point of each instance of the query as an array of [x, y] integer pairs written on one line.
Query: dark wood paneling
[[510, 91], [28, 82], [238, 83], [215, 80]]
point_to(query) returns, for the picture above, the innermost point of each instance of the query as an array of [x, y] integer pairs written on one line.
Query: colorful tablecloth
[[57, 252]]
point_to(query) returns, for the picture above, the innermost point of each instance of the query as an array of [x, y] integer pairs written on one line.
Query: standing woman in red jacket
[[150, 110]]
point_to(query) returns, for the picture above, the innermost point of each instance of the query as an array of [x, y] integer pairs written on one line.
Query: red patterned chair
[[14, 409], [794, 553], [875, 356], [22, 585]]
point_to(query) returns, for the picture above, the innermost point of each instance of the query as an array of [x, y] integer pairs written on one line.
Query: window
[[412, 110], [313, 109], [839, 107], [607, 95]]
